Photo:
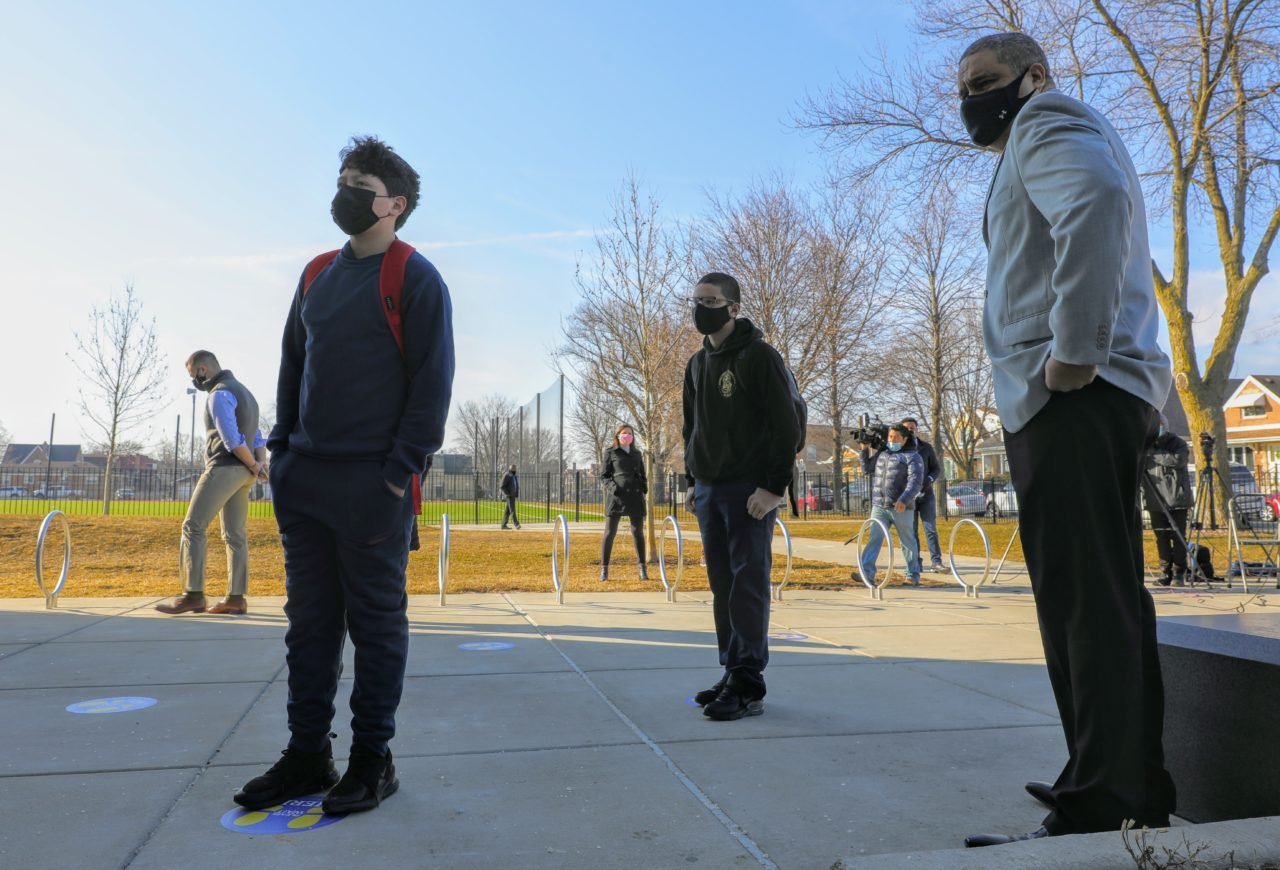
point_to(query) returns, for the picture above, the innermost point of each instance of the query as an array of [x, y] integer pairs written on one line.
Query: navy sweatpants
[[346, 546], [739, 554]]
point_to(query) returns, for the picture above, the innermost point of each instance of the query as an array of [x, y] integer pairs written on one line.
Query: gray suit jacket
[[1068, 267]]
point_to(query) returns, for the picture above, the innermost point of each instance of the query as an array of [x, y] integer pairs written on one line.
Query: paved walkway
[[559, 736]]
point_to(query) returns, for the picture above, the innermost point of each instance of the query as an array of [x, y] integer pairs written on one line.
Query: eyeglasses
[[709, 301]]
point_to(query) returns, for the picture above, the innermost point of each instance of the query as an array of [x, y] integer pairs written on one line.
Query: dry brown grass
[[125, 556]]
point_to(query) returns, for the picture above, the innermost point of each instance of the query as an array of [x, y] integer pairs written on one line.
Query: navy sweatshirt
[[345, 392]]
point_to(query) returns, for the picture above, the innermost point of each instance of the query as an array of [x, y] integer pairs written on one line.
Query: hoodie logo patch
[[728, 384]]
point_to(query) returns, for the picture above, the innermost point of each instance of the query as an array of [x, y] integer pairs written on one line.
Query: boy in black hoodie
[[740, 432], [358, 414]]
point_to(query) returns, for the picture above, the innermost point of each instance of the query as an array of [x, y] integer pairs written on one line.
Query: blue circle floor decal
[[111, 705], [290, 817], [485, 646], [788, 635]]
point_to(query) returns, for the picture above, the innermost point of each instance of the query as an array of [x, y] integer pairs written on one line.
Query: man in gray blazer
[[1070, 325]]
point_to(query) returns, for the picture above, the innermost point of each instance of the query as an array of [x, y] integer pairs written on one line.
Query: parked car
[[819, 497], [13, 492], [1003, 501], [125, 493], [1273, 502], [858, 494], [965, 501], [57, 491]]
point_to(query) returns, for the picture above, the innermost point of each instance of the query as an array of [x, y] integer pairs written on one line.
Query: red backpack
[[390, 282]]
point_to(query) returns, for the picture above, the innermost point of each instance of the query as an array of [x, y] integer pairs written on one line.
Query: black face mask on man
[[352, 209], [709, 321], [987, 115], [201, 383]]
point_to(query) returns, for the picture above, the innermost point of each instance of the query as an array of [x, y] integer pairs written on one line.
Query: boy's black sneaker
[[369, 779], [733, 704], [706, 696], [296, 774]]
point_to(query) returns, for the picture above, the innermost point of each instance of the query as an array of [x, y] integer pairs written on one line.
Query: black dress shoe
[[370, 778], [977, 841], [1043, 792]]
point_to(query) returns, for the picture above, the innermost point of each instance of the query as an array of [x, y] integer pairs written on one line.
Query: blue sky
[[192, 150]]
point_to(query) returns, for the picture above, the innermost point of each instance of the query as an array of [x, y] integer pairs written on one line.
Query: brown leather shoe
[[183, 604], [236, 608]]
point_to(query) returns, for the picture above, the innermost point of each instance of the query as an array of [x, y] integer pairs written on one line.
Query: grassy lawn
[[139, 556]]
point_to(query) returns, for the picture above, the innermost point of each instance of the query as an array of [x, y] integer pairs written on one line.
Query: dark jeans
[[1171, 547], [1075, 469], [611, 531], [509, 512], [739, 554], [346, 546]]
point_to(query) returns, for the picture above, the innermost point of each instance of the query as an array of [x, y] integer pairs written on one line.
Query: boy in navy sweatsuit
[[357, 419]]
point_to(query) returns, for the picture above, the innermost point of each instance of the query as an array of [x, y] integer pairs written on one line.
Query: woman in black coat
[[625, 489]]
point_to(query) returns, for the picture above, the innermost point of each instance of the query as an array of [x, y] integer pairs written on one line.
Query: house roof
[[19, 454], [1270, 383]]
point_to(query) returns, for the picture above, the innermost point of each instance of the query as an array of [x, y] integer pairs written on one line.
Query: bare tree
[[969, 406], [124, 374], [763, 239], [845, 266], [481, 428], [1193, 86], [4, 439], [594, 416], [629, 333], [937, 288]]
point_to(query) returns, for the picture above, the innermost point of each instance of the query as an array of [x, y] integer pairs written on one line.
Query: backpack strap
[[390, 285], [315, 267]]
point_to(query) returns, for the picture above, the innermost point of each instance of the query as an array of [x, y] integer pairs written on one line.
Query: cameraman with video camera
[[897, 475], [1166, 488]]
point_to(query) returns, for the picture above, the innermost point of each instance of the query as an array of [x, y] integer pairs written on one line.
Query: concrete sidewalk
[[559, 736]]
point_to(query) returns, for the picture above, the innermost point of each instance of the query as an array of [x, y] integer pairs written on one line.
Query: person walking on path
[[1071, 326], [927, 501], [510, 489], [362, 402], [625, 490], [234, 457], [897, 475], [740, 432]]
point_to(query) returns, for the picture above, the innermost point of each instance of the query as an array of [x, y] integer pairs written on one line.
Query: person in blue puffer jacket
[[897, 474]]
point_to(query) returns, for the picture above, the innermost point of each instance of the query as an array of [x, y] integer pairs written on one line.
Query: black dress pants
[[1075, 468]]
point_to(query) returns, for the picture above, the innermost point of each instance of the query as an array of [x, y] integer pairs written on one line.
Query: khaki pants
[[221, 490]]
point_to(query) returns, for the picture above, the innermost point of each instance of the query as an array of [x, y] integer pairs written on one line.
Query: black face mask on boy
[[352, 209]]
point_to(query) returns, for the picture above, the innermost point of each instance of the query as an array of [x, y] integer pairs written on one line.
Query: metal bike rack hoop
[[560, 536], [1013, 537], [51, 595], [442, 572], [670, 585], [877, 589], [776, 588], [970, 589]]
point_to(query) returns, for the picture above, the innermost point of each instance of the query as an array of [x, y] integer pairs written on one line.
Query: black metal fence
[[472, 497]]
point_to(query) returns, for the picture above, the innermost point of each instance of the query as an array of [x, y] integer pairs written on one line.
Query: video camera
[[870, 432], [1207, 442]]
